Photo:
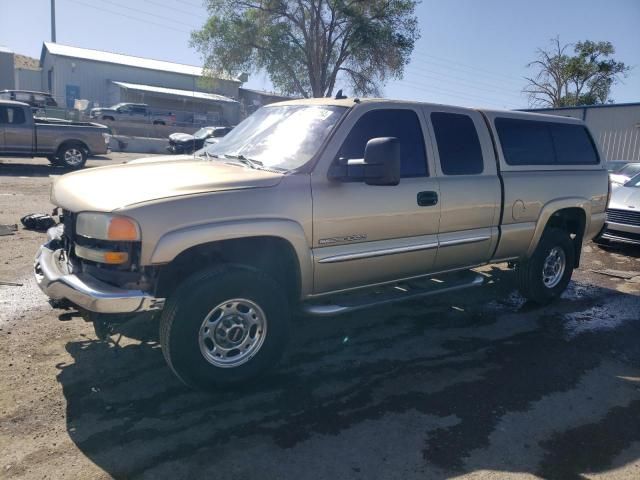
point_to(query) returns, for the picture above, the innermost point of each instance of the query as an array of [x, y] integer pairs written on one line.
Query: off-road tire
[[75, 150], [529, 273], [190, 304]]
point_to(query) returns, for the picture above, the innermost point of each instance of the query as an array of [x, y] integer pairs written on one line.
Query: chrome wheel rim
[[232, 333], [554, 267], [73, 156]]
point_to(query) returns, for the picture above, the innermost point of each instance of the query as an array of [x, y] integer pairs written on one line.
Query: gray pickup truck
[[63, 143], [133, 112], [325, 206]]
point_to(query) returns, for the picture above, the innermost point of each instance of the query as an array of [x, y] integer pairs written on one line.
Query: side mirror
[[380, 165]]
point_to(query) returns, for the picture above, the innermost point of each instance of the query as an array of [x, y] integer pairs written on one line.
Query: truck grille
[[625, 217], [625, 237], [69, 222]]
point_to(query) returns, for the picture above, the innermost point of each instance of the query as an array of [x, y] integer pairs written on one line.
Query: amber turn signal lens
[[121, 228], [114, 258], [101, 256]]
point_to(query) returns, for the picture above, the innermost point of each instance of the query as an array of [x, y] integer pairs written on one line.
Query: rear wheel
[[547, 273], [225, 325], [72, 155]]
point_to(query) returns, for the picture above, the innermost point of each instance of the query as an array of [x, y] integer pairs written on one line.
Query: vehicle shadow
[[14, 169], [620, 248], [29, 170], [435, 388]]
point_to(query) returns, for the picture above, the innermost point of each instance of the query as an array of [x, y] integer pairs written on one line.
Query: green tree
[[307, 47], [584, 78]]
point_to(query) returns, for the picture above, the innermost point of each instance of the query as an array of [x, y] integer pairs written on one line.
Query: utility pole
[[53, 21]]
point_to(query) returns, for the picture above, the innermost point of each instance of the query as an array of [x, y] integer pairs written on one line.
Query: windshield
[[615, 166], [282, 137], [202, 133], [630, 170], [634, 182]]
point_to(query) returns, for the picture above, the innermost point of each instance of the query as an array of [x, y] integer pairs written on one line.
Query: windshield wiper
[[246, 161], [208, 155]]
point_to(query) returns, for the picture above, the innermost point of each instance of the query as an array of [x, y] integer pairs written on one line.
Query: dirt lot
[[477, 385]]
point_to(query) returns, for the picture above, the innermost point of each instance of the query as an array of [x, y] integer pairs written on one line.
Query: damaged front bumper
[[56, 278]]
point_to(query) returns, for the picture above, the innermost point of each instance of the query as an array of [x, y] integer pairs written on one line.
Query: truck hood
[[626, 198], [105, 189], [164, 158]]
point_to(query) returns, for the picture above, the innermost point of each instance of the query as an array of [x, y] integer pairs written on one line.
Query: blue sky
[[471, 52]]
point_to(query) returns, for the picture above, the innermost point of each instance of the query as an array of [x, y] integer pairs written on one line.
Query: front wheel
[[72, 156], [225, 325], [544, 276]]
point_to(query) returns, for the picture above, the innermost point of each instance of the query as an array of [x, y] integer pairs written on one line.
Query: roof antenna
[[339, 95]]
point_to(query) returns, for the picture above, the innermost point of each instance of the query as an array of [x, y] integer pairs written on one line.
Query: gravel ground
[[478, 385]]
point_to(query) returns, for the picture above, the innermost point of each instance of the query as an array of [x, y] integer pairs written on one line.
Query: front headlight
[[106, 137], [104, 226], [101, 256]]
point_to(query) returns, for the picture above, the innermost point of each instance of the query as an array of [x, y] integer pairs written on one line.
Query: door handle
[[427, 199]]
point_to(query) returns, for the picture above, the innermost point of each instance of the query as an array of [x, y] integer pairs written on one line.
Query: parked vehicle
[[133, 112], [325, 206], [38, 100], [613, 166], [624, 174], [623, 214], [185, 143], [63, 143]]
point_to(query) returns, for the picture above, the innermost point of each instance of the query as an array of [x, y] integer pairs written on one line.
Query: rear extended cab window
[[535, 143], [458, 144]]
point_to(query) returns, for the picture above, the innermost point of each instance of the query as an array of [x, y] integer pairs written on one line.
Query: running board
[[399, 292]]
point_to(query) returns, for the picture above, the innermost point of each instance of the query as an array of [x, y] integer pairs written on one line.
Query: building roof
[[120, 59], [214, 97], [580, 107], [267, 94]]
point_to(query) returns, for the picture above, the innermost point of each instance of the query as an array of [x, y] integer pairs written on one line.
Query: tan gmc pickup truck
[[324, 206]]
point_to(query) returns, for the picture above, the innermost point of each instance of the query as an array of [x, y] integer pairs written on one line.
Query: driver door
[[365, 234]]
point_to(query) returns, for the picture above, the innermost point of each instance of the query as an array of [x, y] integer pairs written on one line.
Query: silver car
[[623, 214]]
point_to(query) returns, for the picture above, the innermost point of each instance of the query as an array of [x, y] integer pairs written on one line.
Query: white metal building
[[616, 127], [105, 78]]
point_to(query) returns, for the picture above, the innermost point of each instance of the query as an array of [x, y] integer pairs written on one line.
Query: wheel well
[[573, 221], [272, 255], [68, 143]]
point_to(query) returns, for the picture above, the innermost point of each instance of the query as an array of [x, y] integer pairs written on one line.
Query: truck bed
[[42, 121]]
